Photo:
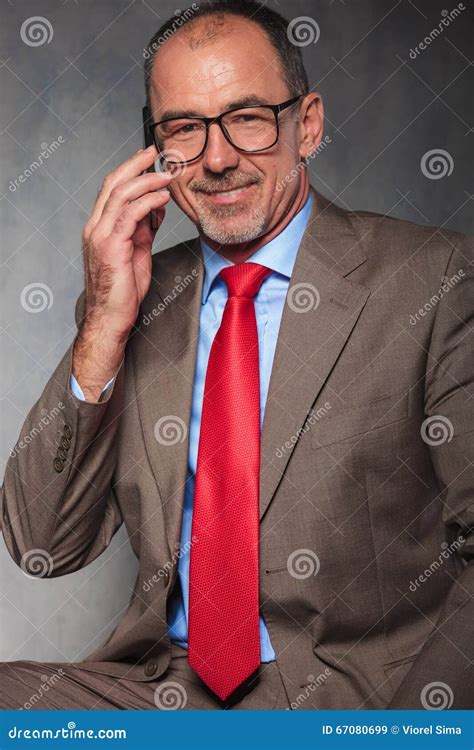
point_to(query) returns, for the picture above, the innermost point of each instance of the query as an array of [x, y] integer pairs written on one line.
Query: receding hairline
[[214, 25]]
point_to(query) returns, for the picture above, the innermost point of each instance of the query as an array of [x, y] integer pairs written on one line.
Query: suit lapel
[[164, 360], [321, 309]]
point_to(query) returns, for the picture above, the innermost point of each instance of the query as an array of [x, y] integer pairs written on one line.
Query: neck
[[239, 253]]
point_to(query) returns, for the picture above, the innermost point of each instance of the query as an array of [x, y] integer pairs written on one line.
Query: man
[[290, 453]]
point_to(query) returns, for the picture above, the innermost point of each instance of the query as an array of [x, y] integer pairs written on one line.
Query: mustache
[[228, 182]]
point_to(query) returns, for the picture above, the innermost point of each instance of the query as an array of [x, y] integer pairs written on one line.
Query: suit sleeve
[[444, 668], [59, 507]]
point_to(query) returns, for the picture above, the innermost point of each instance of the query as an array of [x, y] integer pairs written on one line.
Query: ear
[[311, 124]]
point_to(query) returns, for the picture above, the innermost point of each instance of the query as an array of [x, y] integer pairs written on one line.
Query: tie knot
[[244, 279]]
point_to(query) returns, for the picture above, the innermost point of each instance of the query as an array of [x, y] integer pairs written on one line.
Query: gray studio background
[[83, 89]]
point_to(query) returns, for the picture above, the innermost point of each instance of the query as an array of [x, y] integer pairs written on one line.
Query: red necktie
[[223, 630]]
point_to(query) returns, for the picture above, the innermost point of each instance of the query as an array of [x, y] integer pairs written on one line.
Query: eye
[[180, 128], [188, 128], [246, 118]]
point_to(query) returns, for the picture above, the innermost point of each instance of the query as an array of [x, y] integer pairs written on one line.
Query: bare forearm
[[96, 358]]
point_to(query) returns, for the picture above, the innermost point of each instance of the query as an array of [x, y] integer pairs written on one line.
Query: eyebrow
[[246, 101]]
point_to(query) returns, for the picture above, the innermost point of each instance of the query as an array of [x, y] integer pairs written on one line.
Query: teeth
[[230, 192]]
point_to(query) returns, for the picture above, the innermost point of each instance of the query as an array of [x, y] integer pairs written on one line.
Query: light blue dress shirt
[[279, 254]]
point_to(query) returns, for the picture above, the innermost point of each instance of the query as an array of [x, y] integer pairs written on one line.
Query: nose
[[219, 154]]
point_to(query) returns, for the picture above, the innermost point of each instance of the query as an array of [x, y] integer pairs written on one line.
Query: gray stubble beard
[[212, 226]]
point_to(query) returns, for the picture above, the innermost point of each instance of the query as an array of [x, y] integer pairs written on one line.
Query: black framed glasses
[[255, 128]]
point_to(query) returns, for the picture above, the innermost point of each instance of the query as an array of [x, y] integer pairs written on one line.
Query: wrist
[[96, 359]]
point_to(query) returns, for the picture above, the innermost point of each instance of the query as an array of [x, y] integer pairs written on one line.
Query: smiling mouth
[[228, 196]]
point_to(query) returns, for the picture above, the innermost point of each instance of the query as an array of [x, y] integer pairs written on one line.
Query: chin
[[231, 236], [234, 231]]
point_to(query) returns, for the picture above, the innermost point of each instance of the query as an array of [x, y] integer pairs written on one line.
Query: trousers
[[32, 685]]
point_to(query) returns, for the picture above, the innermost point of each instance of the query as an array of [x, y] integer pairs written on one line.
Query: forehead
[[211, 63]]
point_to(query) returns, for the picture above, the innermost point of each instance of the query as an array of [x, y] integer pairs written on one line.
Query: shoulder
[[400, 241]]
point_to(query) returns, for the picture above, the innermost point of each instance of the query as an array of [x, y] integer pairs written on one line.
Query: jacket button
[[65, 442], [61, 453], [67, 431], [166, 577], [151, 667], [58, 464]]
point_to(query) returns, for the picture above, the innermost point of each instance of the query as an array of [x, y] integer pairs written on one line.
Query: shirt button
[[58, 464], [151, 667]]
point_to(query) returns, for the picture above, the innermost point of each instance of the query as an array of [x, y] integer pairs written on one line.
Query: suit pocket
[[360, 419], [396, 671], [392, 665]]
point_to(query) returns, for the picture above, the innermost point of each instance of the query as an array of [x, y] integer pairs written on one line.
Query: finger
[[130, 168], [126, 192], [127, 222]]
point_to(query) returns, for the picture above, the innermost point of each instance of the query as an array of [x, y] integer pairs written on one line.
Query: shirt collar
[[279, 254]]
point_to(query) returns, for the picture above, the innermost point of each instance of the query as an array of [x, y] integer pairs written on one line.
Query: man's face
[[230, 195]]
